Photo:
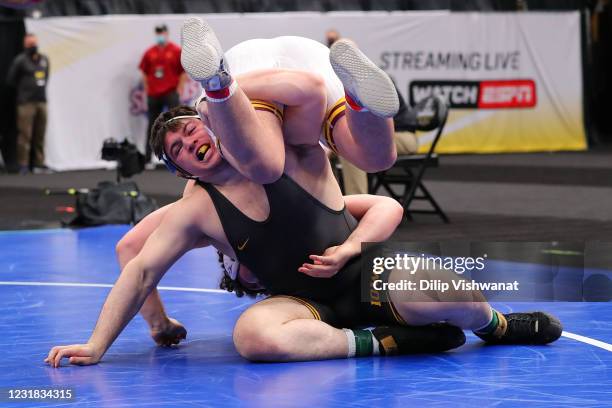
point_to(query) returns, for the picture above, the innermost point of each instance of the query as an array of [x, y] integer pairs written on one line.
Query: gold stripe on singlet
[[310, 307], [333, 115], [267, 106]]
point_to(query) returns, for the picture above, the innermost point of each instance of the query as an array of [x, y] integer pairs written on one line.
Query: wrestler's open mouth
[[202, 151]]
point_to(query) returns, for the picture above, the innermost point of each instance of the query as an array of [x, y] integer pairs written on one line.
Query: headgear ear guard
[[170, 165]]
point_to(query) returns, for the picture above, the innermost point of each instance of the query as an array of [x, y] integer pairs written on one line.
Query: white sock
[[352, 347], [352, 343], [375, 345]]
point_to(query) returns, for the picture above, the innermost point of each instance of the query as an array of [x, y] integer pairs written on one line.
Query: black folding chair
[[408, 170]]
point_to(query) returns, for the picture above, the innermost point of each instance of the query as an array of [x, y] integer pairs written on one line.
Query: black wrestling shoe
[[526, 328], [432, 338]]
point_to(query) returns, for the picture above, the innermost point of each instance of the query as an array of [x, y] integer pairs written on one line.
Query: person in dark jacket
[[29, 74]]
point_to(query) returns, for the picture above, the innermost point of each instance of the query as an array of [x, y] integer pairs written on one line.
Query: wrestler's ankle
[[220, 94], [353, 103]]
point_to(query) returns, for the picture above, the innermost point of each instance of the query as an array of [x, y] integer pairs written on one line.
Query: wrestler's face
[[192, 148]]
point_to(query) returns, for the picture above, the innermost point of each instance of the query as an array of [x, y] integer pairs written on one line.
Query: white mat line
[[588, 340], [105, 285]]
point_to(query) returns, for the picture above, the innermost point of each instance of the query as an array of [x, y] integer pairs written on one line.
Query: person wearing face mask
[[29, 73], [162, 77]]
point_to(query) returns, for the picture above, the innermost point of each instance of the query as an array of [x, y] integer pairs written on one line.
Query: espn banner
[[513, 80]]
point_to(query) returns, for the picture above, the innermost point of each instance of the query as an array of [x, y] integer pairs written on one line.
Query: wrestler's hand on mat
[[169, 333], [79, 354], [332, 260]]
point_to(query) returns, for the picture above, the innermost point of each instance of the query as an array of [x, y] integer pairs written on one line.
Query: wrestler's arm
[[251, 140], [302, 92], [378, 218], [175, 236], [128, 247], [164, 330]]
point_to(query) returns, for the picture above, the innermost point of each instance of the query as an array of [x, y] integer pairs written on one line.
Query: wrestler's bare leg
[[365, 140], [465, 309], [468, 309], [282, 329], [365, 135]]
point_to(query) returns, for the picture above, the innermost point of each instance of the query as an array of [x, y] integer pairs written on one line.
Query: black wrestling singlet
[[298, 225]]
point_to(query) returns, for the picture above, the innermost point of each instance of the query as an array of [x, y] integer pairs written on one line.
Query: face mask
[[31, 50], [160, 39]]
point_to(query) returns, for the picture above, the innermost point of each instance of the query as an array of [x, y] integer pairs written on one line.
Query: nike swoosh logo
[[241, 247]]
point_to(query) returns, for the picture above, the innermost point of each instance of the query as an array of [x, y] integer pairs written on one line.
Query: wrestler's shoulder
[[185, 216], [195, 196], [195, 205]]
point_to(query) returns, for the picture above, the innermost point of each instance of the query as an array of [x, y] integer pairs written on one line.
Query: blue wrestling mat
[[53, 284]]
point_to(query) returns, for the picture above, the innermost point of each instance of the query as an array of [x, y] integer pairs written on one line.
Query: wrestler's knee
[[128, 246], [389, 159], [257, 343], [317, 88], [374, 160], [257, 340], [384, 159]]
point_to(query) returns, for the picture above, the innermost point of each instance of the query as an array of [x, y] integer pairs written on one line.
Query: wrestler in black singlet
[[299, 225]]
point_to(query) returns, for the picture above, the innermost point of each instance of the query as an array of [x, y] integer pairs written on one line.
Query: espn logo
[[503, 94]]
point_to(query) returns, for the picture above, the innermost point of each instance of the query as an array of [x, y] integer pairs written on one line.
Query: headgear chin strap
[[170, 165]]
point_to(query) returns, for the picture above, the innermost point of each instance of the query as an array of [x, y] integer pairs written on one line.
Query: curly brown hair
[[160, 127]]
